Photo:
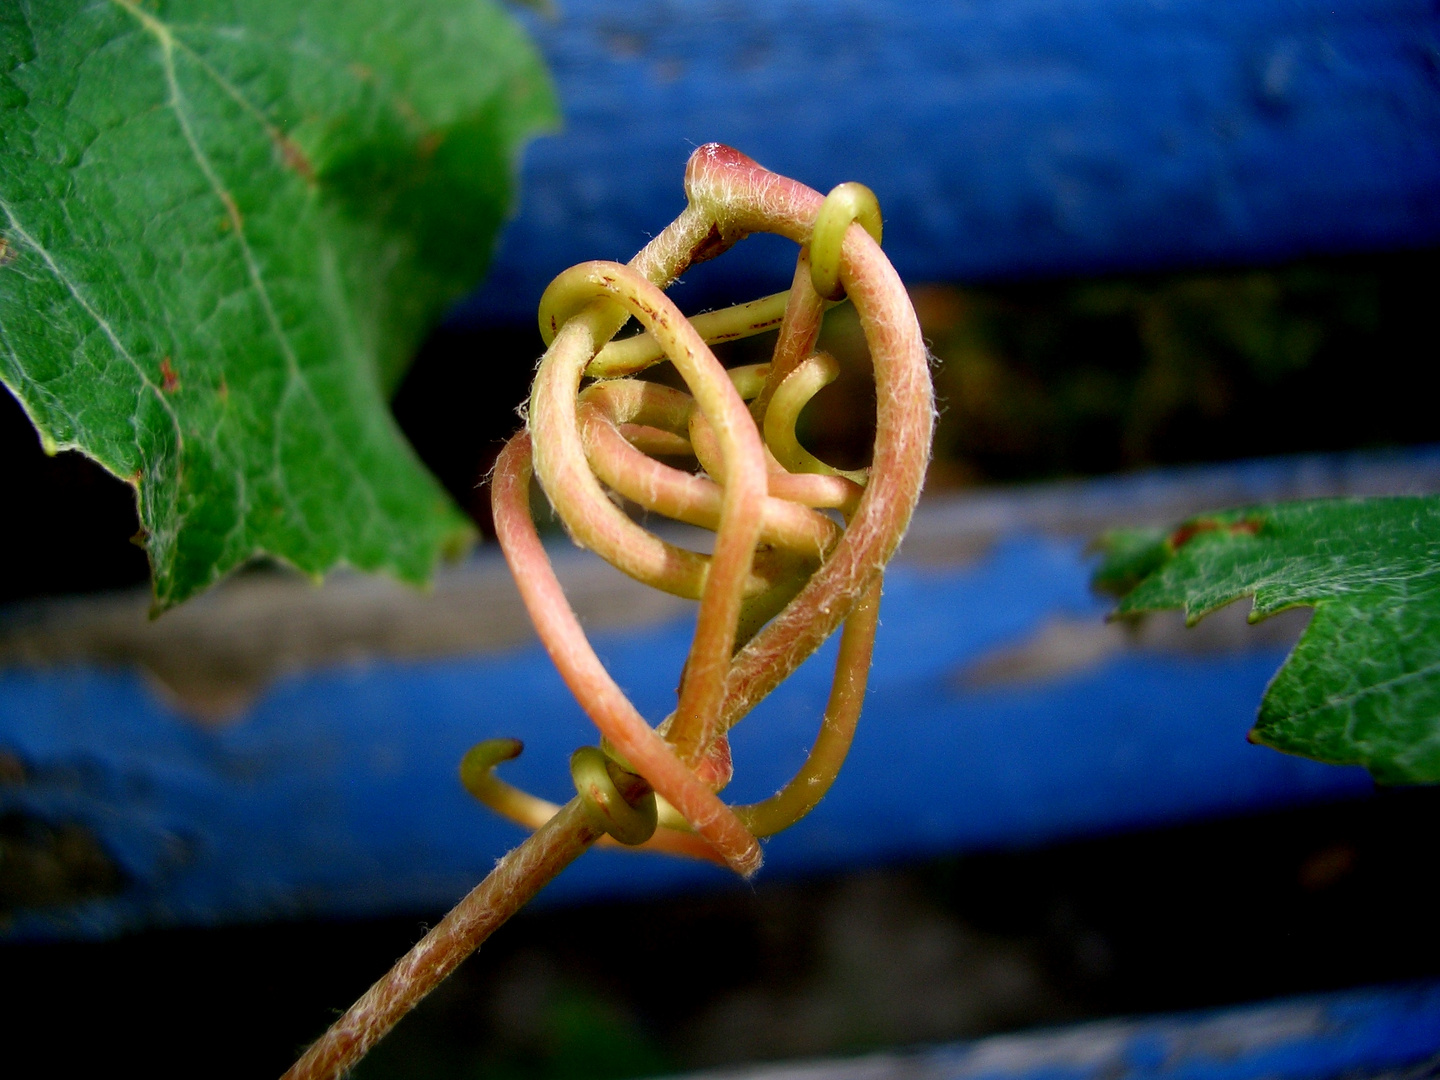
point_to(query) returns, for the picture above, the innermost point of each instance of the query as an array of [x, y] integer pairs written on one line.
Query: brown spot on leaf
[[428, 144], [294, 158], [223, 390], [1191, 529], [7, 253], [169, 377], [361, 72]]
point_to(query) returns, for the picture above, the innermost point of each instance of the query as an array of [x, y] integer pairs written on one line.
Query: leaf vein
[[79, 297], [1365, 691], [295, 376]]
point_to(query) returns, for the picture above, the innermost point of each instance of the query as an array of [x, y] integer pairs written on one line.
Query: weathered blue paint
[[337, 794], [1003, 137]]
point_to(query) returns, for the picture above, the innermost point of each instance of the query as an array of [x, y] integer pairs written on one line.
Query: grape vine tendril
[[783, 575]]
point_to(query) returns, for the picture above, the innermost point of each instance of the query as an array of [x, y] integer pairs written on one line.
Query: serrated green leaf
[[1363, 684], [225, 227]]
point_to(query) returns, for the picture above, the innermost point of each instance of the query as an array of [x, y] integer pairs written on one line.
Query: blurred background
[[1137, 235]]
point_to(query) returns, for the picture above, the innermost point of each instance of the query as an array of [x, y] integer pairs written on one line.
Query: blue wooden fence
[[1003, 137], [1002, 711]]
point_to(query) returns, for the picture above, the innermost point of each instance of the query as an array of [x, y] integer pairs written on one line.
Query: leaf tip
[[458, 542]]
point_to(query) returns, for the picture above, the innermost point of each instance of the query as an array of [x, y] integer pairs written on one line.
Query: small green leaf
[[224, 227], [1363, 684]]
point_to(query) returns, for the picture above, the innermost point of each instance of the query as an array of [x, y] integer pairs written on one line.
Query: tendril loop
[[629, 824], [846, 204], [783, 573]]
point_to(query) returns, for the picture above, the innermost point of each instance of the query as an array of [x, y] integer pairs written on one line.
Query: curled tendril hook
[[477, 774], [847, 203], [783, 573]]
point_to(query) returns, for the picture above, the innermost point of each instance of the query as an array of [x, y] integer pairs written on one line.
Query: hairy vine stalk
[[783, 574]]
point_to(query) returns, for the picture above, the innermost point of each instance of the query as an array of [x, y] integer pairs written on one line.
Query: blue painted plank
[[1355, 1034], [1021, 137], [336, 792]]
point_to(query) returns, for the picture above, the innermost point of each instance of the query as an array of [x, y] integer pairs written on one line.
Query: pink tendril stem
[[643, 750]]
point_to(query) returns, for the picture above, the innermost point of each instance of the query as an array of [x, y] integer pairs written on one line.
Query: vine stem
[[515, 880]]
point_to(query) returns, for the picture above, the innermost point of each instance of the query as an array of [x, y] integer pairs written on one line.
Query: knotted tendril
[[783, 573]]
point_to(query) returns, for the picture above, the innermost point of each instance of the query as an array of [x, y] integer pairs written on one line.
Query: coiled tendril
[[783, 574]]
